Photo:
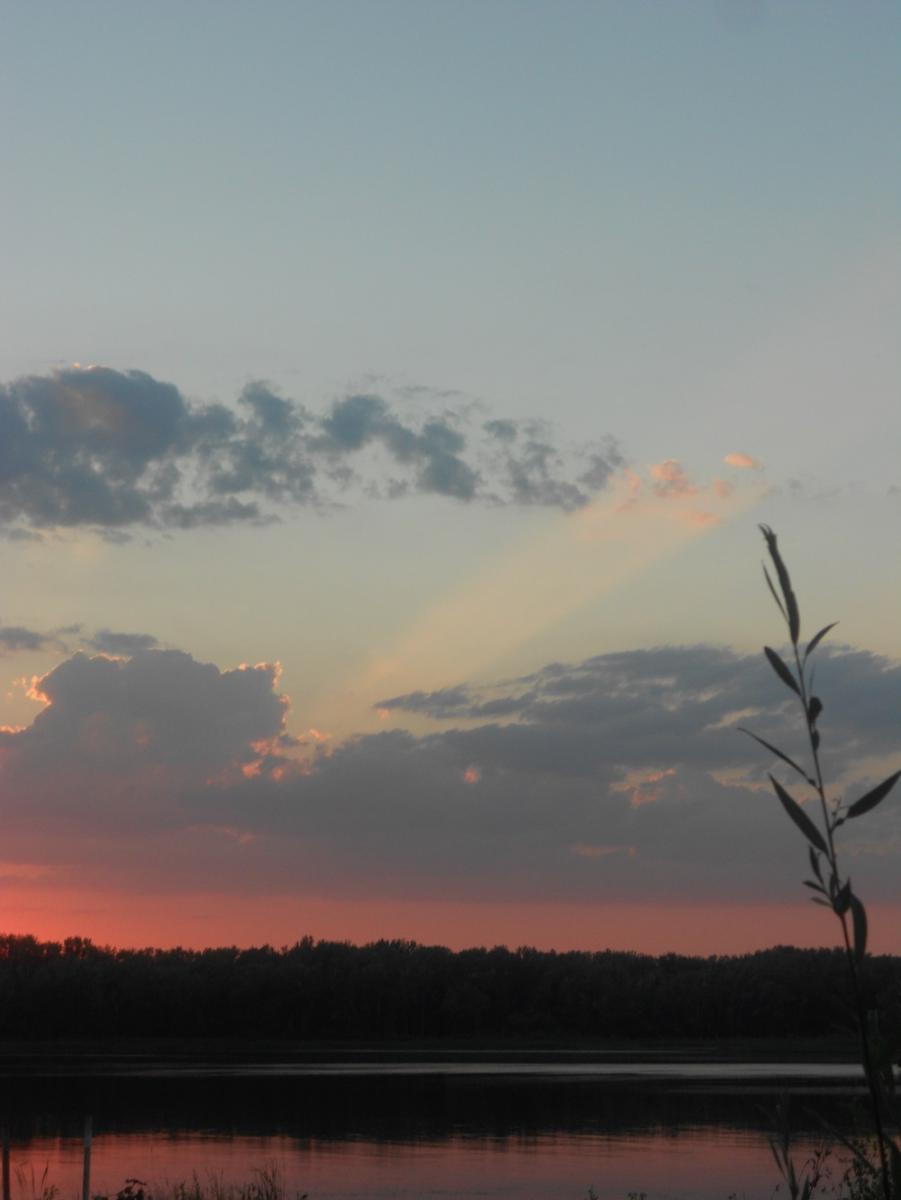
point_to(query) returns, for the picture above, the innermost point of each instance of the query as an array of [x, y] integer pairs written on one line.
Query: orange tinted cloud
[[697, 516], [743, 461], [671, 483], [33, 690], [668, 482], [671, 479], [641, 788]]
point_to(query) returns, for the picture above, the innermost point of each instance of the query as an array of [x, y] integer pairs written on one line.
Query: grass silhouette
[[266, 1183]]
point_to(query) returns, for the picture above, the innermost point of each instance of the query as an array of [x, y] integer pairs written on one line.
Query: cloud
[[652, 709], [14, 638], [107, 641], [127, 736], [120, 450], [670, 480], [88, 447], [535, 472], [667, 485], [622, 776], [743, 462]]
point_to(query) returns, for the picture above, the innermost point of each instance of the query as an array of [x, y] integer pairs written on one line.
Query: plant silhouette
[[830, 888]]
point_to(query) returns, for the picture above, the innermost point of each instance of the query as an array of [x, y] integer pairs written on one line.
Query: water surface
[[351, 1130]]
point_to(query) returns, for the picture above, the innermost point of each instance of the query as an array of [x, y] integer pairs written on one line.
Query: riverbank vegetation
[[265, 1183], [401, 990]]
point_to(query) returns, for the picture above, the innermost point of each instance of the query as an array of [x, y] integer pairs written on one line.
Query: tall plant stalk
[[829, 887]]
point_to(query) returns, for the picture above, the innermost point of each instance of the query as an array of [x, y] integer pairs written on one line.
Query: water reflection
[[702, 1163], [378, 1134]]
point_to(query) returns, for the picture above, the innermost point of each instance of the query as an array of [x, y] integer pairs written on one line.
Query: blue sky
[[668, 233]]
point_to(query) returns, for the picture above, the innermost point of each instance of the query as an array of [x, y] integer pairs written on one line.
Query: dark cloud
[[680, 704], [87, 447], [535, 472], [108, 641], [212, 512], [623, 776], [121, 739], [434, 452], [17, 639], [118, 450], [21, 535], [14, 638]]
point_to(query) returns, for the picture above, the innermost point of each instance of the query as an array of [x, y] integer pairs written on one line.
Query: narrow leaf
[[814, 708], [775, 594], [817, 900], [814, 887], [859, 917], [871, 799], [843, 900], [815, 863], [799, 816], [773, 750], [791, 604], [816, 639], [781, 669]]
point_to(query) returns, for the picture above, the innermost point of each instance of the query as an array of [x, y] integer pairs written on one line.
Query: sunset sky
[[389, 397]]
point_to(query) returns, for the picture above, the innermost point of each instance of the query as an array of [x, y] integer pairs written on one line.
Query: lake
[[366, 1127]]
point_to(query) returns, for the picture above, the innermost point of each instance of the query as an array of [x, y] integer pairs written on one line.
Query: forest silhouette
[[319, 990]]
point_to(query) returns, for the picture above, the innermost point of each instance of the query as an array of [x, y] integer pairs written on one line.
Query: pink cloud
[[743, 461], [668, 482], [634, 485], [701, 518], [672, 480], [646, 787]]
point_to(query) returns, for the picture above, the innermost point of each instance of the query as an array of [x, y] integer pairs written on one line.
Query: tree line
[[399, 989]]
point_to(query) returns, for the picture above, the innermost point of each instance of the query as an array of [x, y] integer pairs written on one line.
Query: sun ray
[[570, 561]]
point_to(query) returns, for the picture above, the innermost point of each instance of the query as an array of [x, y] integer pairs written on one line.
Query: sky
[[389, 398]]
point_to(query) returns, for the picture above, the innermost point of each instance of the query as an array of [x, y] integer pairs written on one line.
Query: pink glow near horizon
[[197, 921]]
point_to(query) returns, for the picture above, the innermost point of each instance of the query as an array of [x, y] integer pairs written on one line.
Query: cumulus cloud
[[127, 735], [118, 450], [620, 776]]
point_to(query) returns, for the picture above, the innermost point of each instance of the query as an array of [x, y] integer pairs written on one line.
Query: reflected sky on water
[[343, 1130]]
